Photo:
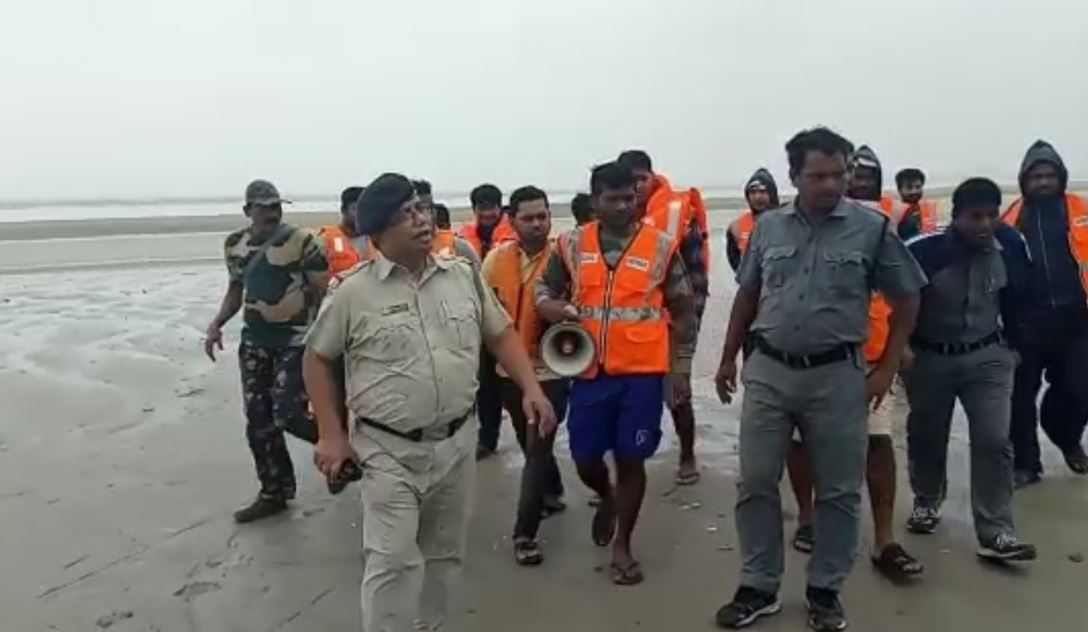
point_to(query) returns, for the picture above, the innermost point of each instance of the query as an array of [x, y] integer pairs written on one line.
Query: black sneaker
[[748, 605], [260, 508], [923, 520], [1023, 478], [825, 611], [1006, 548]]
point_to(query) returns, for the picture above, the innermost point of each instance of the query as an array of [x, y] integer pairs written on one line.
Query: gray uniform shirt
[[962, 303], [411, 347], [816, 281]]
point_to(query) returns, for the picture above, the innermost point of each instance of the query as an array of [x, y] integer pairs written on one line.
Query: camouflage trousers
[[275, 402]]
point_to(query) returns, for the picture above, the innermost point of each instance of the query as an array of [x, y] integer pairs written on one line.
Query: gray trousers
[[982, 381], [828, 405]]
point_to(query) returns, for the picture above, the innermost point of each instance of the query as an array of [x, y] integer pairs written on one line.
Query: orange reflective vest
[[927, 213], [341, 252], [622, 308], [1076, 210], [503, 231], [443, 244], [516, 292], [673, 211], [742, 230]]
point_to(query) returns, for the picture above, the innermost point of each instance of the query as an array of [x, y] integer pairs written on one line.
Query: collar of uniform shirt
[[838, 211], [385, 266]]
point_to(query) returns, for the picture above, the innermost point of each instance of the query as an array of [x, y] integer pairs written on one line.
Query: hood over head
[[763, 177], [866, 157], [1042, 151]]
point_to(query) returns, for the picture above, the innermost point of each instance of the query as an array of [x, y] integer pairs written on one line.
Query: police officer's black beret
[[380, 201]]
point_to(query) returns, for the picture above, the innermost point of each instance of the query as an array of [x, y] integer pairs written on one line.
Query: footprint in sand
[[107, 620], [193, 590]]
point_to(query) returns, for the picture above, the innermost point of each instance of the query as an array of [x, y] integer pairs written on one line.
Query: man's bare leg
[[683, 419], [595, 475], [630, 490], [881, 478], [800, 473]]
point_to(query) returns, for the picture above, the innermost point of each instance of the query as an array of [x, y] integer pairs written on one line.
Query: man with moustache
[[409, 327]]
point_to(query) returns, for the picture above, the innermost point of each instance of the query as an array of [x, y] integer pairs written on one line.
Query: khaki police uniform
[[807, 371], [411, 352]]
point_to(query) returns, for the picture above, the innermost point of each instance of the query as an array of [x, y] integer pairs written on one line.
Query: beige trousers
[[416, 504]]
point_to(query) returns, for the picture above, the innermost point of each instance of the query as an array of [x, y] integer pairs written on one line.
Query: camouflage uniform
[[281, 292]]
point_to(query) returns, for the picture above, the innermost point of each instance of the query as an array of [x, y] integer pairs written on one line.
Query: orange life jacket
[[672, 211], [1076, 210], [517, 293], [341, 253], [879, 310], [623, 309], [927, 213], [444, 240], [742, 230], [503, 231]]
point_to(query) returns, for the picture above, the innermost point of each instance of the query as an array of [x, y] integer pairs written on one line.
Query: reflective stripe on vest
[[742, 230], [622, 308], [517, 293], [1076, 210], [342, 255]]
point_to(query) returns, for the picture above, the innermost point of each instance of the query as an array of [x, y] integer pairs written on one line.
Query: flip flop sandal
[[627, 575], [896, 562], [804, 539], [528, 553], [688, 478], [604, 525]]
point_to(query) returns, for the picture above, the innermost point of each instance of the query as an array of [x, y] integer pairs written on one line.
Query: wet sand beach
[[122, 455]]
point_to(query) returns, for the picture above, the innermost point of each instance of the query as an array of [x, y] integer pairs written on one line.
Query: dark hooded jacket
[[1045, 225], [910, 225], [764, 177]]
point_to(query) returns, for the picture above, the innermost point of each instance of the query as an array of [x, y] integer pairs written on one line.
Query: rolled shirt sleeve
[[493, 317], [328, 336], [896, 272]]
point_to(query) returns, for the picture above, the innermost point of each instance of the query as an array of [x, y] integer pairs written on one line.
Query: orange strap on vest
[[1076, 210], [503, 232], [623, 309], [742, 229], [516, 293]]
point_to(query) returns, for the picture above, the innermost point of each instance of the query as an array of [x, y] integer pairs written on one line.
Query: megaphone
[[567, 349]]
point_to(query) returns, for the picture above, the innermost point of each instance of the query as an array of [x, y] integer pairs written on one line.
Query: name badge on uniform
[[399, 308], [590, 257], [338, 244], [1081, 221], [638, 263]]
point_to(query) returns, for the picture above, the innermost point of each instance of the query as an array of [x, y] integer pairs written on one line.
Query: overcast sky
[[125, 98]]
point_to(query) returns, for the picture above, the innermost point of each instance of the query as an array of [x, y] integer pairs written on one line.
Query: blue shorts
[[621, 414]]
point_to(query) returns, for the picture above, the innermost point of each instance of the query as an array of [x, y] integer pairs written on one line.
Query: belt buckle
[[806, 362]]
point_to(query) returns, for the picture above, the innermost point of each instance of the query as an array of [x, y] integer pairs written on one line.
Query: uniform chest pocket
[[846, 272], [463, 321], [779, 263], [392, 339]]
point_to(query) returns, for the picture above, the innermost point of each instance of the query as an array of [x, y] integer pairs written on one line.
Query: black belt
[[837, 354], [957, 348], [417, 435]]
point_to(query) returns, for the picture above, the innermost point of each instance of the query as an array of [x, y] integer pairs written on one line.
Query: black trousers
[[541, 476], [488, 403], [1055, 348]]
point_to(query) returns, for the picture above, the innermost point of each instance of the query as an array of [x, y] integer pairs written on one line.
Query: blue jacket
[[938, 251]]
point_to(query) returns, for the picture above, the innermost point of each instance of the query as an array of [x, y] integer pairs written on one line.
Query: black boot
[[260, 508]]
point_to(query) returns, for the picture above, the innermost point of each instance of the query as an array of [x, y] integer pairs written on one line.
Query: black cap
[[380, 201]]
